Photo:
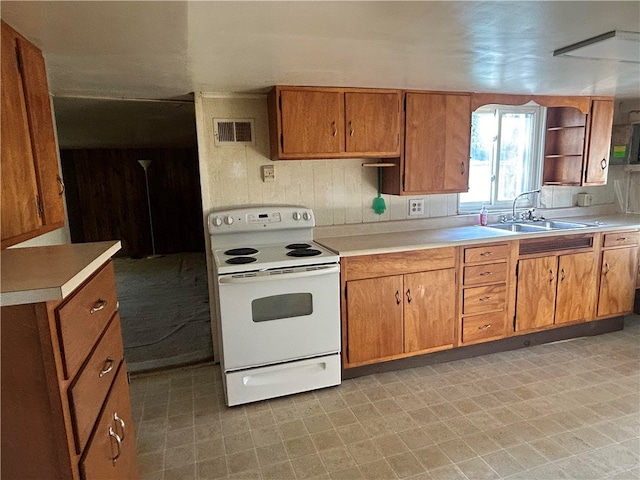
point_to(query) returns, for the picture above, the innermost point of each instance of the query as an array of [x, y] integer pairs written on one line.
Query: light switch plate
[[416, 207]]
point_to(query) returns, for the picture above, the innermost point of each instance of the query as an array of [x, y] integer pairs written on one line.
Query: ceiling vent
[[233, 131]]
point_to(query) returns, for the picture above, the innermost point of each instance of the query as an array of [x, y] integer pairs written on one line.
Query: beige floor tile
[[278, 471], [378, 470], [308, 466]]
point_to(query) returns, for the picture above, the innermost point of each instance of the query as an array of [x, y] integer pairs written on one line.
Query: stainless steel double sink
[[538, 226]]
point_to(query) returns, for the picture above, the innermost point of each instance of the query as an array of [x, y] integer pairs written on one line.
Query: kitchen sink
[[538, 226]]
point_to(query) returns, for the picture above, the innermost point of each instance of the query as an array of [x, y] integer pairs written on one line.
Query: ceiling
[[166, 50]]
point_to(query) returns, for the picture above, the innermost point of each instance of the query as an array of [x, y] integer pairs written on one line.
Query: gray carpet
[[164, 308]]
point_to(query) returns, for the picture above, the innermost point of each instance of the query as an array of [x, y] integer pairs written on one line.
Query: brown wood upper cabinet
[[32, 188], [314, 123], [436, 145]]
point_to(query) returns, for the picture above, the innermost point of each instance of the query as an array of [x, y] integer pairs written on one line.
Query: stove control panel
[[264, 217]]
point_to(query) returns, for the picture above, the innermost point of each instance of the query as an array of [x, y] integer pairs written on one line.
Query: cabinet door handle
[[484, 274], [398, 298], [484, 327], [350, 129], [114, 435], [409, 295], [607, 268], [335, 129], [486, 254], [99, 305], [552, 277], [462, 169], [484, 299], [62, 187], [603, 164], [122, 425], [562, 276], [107, 367]]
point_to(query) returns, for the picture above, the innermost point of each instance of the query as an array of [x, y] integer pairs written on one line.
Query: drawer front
[[111, 452], [484, 299], [621, 239], [480, 274], [387, 264], [89, 390], [84, 316], [487, 253], [485, 326]]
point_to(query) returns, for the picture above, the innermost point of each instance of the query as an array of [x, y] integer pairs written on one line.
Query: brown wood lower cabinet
[[65, 398], [618, 272], [410, 310]]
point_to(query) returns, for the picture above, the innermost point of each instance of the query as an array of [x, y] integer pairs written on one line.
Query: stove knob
[[296, 216], [228, 220], [306, 216], [217, 221]]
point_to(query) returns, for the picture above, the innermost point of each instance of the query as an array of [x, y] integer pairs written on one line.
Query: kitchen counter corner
[[42, 274]]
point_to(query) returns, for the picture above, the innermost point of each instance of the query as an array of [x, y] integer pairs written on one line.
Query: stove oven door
[[279, 316]]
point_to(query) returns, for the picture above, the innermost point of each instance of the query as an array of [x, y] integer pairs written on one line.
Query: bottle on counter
[[484, 216]]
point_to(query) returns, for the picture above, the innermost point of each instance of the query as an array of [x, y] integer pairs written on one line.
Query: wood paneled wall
[[107, 199]]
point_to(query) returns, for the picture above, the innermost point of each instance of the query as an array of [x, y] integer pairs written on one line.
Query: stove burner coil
[[304, 252], [297, 246], [241, 251], [241, 260]]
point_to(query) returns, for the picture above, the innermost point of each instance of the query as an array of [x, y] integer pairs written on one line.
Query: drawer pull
[[484, 274], [398, 299], [409, 295], [484, 327], [486, 254], [108, 366], [99, 305], [114, 435], [621, 239], [484, 299], [121, 422], [606, 266]]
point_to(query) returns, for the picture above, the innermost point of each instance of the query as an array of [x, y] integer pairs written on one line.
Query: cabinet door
[[576, 296], [111, 453], [19, 188], [597, 157], [437, 138], [617, 281], [536, 292], [372, 122], [374, 318], [312, 121], [429, 314], [45, 150]]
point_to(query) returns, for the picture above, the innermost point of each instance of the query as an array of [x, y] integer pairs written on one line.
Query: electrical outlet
[[416, 207], [268, 173]]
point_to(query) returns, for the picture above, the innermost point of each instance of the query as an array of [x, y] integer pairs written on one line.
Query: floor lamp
[[145, 164]]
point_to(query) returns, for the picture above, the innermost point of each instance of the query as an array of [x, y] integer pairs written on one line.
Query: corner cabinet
[[618, 271], [437, 135], [317, 123], [397, 305], [32, 188], [66, 411]]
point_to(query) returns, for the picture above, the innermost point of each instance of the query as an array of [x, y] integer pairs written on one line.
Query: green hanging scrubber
[[378, 203]]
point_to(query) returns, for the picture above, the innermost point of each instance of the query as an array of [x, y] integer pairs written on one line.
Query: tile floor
[[564, 410]]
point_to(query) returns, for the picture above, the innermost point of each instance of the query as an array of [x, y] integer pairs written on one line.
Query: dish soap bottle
[[484, 216]]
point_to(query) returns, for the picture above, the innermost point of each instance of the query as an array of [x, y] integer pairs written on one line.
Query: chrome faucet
[[515, 200]]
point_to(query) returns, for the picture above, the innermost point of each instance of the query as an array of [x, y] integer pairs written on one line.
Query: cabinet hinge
[[39, 206]]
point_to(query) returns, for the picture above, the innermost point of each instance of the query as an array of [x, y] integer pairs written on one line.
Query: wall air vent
[[233, 131]]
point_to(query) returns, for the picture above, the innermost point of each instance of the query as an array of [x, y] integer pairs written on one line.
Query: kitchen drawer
[[83, 317], [111, 452], [398, 263], [90, 388], [487, 253], [483, 327], [480, 274], [621, 238], [484, 299]]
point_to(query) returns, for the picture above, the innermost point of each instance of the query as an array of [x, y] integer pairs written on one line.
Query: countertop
[[347, 246], [43, 274]]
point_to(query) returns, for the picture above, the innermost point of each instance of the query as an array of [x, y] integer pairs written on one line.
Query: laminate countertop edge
[[390, 242], [42, 274]]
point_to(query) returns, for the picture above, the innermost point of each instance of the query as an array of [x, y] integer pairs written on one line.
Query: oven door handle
[[230, 279]]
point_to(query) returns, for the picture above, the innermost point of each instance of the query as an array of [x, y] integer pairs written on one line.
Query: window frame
[[534, 175]]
